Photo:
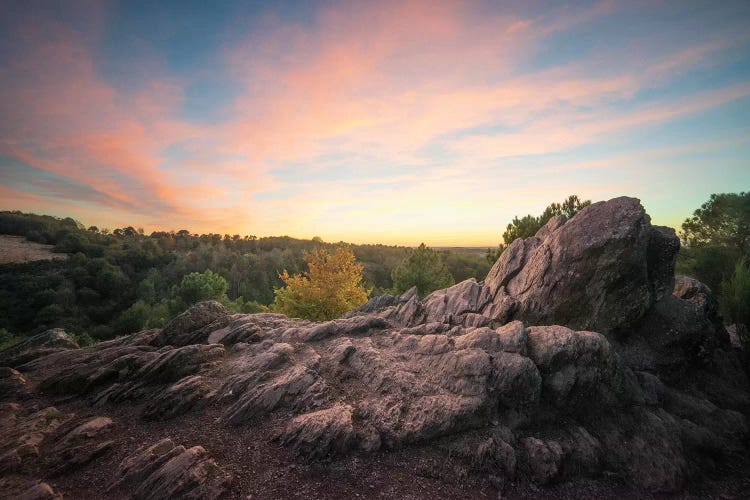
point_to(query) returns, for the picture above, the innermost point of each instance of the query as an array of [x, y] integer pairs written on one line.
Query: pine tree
[[423, 268]]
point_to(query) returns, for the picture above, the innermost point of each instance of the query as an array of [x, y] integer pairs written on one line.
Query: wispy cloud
[[411, 116]]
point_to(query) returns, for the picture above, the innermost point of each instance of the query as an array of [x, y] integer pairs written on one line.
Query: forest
[[120, 281]]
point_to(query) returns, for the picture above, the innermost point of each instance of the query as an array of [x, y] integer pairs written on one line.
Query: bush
[[709, 264], [735, 294], [239, 305], [85, 340], [7, 339], [159, 315], [133, 319], [331, 287]]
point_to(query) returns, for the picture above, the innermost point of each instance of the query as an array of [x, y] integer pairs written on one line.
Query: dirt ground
[[16, 249]]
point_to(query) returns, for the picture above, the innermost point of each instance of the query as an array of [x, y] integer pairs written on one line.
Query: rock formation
[[53, 340], [573, 358], [164, 470]]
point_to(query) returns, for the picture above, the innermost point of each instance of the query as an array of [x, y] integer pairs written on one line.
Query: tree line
[[121, 280]]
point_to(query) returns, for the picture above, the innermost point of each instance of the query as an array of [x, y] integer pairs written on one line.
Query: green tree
[[723, 221], [715, 238], [331, 286], [196, 287], [709, 264], [423, 268], [463, 266], [527, 226]]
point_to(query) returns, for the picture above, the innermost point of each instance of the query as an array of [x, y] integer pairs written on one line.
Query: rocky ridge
[[578, 356]]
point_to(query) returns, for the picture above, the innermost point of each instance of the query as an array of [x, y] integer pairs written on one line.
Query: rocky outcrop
[[25, 432], [79, 443], [129, 367], [13, 384], [321, 433], [698, 294], [47, 342], [575, 366], [194, 325], [184, 395], [602, 270], [164, 470], [61, 441], [544, 459], [575, 357]]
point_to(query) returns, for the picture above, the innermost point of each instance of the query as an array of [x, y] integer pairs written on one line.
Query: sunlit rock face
[[602, 270], [572, 359]]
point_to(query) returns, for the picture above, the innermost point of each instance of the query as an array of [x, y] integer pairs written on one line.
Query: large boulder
[[682, 339], [458, 303], [602, 270], [575, 366]]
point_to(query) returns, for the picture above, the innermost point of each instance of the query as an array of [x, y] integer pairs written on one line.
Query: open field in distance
[[16, 249]]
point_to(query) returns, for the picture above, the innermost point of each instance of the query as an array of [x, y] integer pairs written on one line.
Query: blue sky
[[390, 122]]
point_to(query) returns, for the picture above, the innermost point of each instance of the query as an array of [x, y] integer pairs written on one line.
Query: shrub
[[133, 319], [85, 340], [7, 339], [735, 294], [331, 287]]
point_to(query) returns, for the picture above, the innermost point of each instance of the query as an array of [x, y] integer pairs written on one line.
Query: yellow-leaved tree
[[331, 287]]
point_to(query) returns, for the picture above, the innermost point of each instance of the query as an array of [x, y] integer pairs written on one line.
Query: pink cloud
[[63, 117], [361, 82], [385, 81]]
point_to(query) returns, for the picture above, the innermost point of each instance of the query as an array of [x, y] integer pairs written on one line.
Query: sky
[[368, 122]]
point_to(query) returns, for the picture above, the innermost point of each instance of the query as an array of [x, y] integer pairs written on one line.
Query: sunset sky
[[382, 122]]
